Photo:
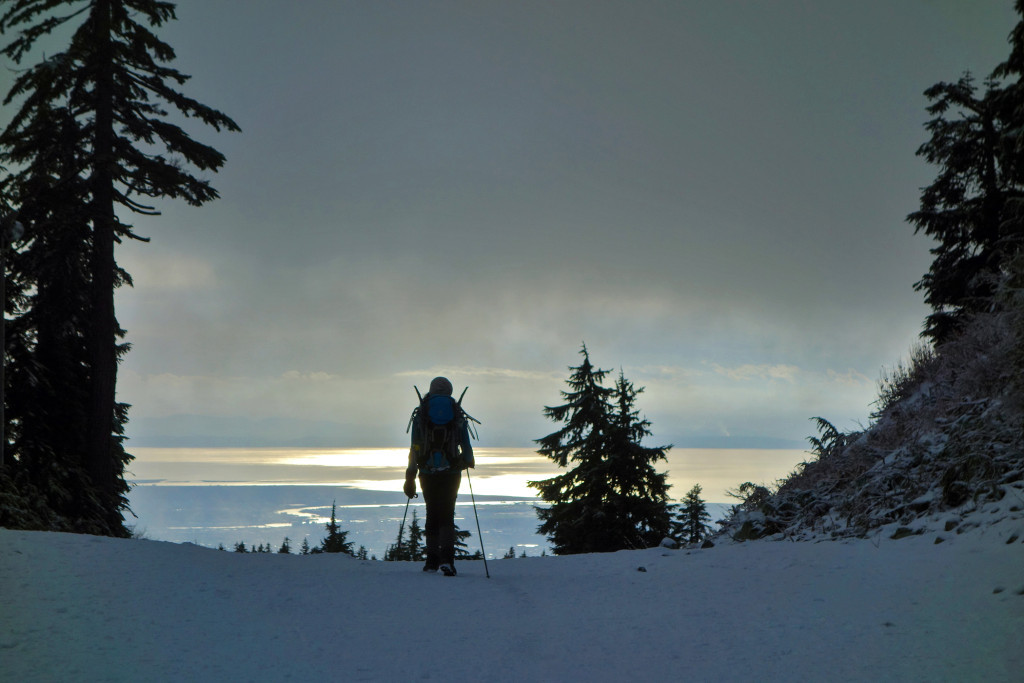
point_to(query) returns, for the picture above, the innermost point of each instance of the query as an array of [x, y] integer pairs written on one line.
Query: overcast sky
[[711, 195]]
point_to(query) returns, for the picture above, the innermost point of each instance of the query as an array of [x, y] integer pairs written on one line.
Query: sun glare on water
[[349, 457]]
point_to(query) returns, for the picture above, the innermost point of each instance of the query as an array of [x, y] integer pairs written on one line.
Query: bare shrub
[[898, 383]]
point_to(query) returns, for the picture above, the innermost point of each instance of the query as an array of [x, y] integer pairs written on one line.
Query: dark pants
[[439, 492]]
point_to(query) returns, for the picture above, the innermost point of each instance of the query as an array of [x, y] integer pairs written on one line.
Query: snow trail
[[79, 608]]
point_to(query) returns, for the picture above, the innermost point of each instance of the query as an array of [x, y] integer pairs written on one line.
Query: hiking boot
[[448, 569]]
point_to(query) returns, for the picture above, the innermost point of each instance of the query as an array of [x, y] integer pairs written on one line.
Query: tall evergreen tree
[[612, 498], [639, 492], [974, 209], [963, 208], [1010, 103], [92, 136], [48, 381]]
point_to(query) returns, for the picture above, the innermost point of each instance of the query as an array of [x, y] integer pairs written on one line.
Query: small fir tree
[[304, 548], [286, 547], [407, 550], [461, 548], [415, 548], [612, 499], [692, 521], [336, 540], [394, 552]]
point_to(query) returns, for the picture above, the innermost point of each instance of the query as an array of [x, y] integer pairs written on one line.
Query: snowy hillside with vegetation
[[86, 608], [946, 445]]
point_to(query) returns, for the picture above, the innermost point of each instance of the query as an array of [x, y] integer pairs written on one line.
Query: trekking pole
[[478, 532]]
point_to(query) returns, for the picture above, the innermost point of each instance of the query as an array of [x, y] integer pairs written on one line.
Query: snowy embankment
[[81, 608]]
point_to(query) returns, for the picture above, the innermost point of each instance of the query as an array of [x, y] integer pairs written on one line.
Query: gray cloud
[[711, 195]]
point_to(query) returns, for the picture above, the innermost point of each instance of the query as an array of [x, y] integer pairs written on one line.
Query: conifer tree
[[612, 498], [963, 208], [1010, 104], [47, 286], [411, 550], [415, 548], [693, 517], [304, 548], [974, 209], [93, 137], [394, 552], [336, 540], [638, 493], [461, 548], [286, 547]]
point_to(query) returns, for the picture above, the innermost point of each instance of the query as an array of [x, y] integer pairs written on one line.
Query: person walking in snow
[[440, 450]]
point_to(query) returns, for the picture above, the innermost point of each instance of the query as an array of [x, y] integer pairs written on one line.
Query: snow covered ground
[[82, 608]]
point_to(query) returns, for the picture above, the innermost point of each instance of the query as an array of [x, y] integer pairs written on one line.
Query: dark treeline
[[336, 541], [94, 138], [408, 546]]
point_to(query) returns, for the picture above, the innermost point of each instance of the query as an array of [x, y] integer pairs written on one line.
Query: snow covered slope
[[82, 608]]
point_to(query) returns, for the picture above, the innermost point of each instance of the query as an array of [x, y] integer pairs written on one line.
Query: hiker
[[439, 452]]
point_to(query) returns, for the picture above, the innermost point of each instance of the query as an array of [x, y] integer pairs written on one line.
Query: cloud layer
[[711, 197]]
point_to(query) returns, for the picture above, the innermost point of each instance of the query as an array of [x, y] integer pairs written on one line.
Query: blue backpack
[[441, 422]]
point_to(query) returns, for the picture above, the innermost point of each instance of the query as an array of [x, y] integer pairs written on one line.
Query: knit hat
[[440, 386]]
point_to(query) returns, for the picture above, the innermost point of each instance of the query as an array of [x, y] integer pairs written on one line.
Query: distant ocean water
[[213, 496]]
